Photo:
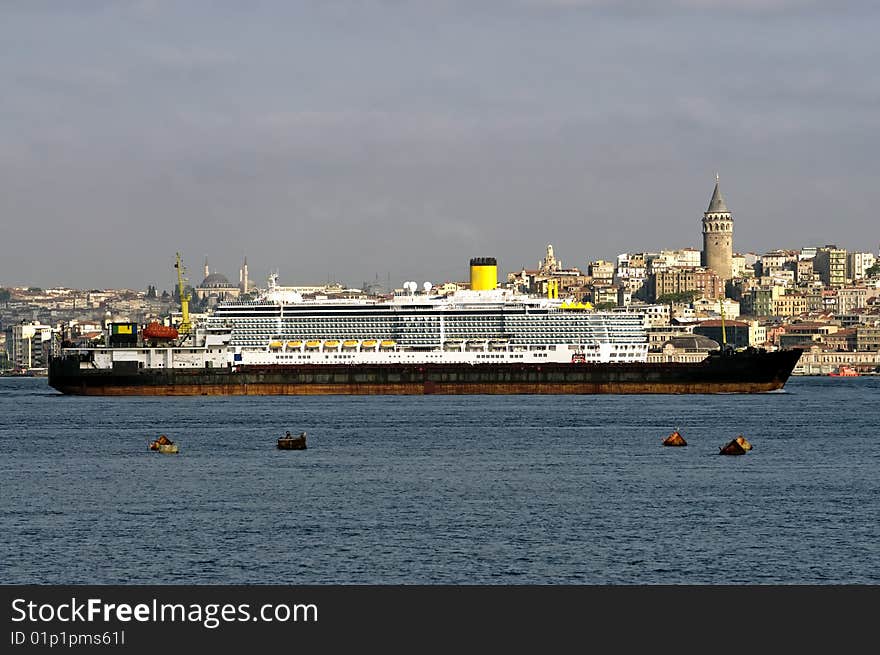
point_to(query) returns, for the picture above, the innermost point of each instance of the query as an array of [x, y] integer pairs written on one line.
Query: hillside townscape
[[821, 298]]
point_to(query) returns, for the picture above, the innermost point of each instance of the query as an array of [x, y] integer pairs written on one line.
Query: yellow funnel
[[484, 273]]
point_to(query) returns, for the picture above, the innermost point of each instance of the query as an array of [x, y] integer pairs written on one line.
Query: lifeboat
[[313, 344], [498, 345], [476, 344], [387, 343], [275, 345], [576, 306], [164, 445], [289, 442], [331, 344], [844, 371], [369, 343], [294, 345], [158, 331], [350, 343], [452, 344]]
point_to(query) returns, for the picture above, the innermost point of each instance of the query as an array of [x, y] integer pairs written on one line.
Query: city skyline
[[193, 276], [371, 139]]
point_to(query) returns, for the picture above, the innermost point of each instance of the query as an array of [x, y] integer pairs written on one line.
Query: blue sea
[[430, 490]]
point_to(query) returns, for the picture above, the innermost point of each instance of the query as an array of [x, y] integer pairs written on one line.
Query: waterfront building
[[24, 343], [684, 348], [806, 333], [867, 338], [659, 335], [819, 361], [843, 339]]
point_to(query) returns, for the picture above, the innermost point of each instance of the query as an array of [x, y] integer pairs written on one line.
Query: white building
[[25, 347], [857, 263], [738, 265], [655, 315], [808, 252], [708, 306], [687, 257]]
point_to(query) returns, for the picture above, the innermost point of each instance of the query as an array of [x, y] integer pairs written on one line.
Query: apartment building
[[857, 264], [25, 345], [830, 264], [704, 281]]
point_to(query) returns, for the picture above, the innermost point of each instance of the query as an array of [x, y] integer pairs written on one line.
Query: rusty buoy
[[675, 439], [733, 448], [741, 440]]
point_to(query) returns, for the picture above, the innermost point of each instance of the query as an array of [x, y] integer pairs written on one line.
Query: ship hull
[[749, 371]]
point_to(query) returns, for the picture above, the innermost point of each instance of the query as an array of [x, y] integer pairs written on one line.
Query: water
[[461, 490]]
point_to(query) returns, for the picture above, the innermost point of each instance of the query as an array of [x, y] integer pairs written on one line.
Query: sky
[[358, 140]]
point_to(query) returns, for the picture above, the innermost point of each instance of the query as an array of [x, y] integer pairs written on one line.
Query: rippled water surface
[[472, 489]]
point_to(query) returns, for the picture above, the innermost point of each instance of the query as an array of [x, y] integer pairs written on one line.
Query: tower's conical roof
[[717, 204]]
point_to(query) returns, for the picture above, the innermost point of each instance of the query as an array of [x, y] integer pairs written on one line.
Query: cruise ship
[[479, 340]]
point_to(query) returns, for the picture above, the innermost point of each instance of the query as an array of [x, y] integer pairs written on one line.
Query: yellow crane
[[184, 326]]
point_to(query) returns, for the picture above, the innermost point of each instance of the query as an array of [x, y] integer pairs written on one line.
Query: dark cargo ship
[[482, 340], [748, 371]]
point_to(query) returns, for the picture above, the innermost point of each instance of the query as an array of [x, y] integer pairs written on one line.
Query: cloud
[[191, 58], [663, 6]]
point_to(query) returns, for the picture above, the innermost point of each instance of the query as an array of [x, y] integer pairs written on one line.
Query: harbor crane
[[184, 326]]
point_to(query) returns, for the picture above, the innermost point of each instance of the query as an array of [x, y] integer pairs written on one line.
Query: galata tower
[[718, 235]]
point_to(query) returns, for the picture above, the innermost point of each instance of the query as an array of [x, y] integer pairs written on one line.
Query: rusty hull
[[413, 389], [747, 372]]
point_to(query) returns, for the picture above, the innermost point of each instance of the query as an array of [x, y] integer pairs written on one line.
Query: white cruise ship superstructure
[[468, 326]]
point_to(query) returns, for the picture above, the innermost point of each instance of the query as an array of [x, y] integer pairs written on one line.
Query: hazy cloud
[[350, 139]]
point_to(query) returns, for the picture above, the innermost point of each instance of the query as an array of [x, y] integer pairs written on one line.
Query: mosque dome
[[216, 281], [693, 342]]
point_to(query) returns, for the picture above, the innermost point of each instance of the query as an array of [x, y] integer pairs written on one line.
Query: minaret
[[207, 272], [718, 235], [244, 277]]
